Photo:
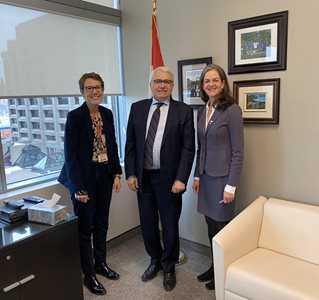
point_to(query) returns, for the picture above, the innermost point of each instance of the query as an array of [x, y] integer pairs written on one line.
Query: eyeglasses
[[160, 81], [90, 89]]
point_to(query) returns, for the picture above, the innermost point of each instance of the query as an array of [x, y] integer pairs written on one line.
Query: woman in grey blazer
[[219, 155]]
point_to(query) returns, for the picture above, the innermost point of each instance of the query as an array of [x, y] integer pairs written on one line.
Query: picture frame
[[258, 44], [189, 71], [259, 100]]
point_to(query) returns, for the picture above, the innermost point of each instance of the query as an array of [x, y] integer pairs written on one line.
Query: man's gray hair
[[162, 69]]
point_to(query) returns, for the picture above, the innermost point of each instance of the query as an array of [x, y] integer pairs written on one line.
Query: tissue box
[[47, 215]]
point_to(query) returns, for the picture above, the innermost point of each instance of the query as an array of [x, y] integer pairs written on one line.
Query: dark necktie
[[149, 142]]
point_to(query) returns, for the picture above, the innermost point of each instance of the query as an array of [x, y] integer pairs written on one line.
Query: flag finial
[[154, 6]]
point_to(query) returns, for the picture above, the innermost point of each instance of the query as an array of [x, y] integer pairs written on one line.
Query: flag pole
[[154, 6]]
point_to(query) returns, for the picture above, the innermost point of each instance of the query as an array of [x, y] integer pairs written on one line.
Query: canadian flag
[[156, 53], [156, 58]]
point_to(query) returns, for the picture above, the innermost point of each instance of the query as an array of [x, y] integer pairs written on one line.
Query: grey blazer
[[221, 146]]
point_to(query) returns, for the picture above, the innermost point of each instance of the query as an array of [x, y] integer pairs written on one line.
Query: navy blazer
[[178, 144], [220, 149], [78, 147]]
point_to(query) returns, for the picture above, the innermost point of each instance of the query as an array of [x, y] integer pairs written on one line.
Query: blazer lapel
[[144, 113], [170, 118], [213, 119], [88, 122], [202, 120], [106, 127]]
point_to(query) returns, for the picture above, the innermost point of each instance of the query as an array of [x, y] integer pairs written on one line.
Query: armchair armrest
[[236, 239]]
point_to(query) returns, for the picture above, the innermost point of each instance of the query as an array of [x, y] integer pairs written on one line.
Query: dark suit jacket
[[221, 145], [78, 147], [178, 144]]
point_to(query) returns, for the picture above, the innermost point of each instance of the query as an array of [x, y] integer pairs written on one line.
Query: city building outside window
[[32, 127]]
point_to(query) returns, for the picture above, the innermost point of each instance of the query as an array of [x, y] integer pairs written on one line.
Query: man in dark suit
[[159, 183]]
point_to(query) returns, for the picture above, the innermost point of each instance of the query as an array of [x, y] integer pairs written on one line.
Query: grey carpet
[[127, 256]]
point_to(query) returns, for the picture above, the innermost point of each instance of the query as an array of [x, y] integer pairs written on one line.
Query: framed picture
[[259, 100], [189, 72], [258, 44]]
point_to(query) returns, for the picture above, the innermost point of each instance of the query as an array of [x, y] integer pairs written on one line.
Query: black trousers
[[93, 217], [213, 228], [156, 203]]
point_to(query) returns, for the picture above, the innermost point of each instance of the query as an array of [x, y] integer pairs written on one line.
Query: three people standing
[[159, 154]]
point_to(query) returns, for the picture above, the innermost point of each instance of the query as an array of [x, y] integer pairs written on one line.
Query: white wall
[[280, 160]]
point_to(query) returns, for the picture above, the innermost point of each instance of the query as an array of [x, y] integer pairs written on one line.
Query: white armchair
[[269, 251]]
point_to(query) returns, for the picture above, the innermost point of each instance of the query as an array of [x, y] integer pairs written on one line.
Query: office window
[[31, 37], [45, 53], [18, 142]]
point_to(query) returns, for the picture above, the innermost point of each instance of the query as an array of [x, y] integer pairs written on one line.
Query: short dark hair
[[91, 75], [225, 99]]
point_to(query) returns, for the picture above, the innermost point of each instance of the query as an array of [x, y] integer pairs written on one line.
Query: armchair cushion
[[265, 274]]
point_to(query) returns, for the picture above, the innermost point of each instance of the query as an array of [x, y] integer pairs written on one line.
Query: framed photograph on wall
[[259, 100], [189, 71], [258, 44]]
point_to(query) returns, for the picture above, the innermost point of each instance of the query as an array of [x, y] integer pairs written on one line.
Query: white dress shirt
[[160, 130]]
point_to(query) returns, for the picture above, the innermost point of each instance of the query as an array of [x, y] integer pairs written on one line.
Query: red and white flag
[[156, 55]]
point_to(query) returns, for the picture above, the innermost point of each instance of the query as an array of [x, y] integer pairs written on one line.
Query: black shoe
[[210, 285], [169, 281], [208, 275], [94, 285], [150, 272], [105, 271]]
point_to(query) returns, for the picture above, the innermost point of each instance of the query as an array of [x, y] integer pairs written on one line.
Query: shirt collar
[[154, 101]]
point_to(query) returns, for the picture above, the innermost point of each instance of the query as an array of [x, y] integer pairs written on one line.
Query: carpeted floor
[[127, 256]]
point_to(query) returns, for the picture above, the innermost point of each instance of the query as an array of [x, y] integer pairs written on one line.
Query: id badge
[[102, 157]]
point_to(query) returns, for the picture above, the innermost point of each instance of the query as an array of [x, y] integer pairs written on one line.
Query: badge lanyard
[[98, 127]]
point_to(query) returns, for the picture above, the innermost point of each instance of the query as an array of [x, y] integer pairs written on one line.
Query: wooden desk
[[40, 261]]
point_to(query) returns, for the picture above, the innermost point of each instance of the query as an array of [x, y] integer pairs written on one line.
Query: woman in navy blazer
[[91, 170], [219, 155]]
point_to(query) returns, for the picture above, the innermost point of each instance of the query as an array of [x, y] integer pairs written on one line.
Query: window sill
[[16, 192]]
